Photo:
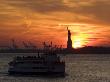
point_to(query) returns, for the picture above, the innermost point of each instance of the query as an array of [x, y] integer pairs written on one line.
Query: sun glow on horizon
[[78, 41], [77, 44]]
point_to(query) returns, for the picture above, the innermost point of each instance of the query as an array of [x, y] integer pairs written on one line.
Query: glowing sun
[[79, 41], [77, 44]]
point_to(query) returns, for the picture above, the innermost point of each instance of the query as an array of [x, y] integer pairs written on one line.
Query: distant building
[[69, 42]]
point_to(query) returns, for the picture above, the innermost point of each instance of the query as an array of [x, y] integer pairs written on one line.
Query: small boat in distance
[[42, 64]]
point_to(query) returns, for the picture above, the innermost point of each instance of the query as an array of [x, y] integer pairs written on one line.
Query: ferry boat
[[42, 64]]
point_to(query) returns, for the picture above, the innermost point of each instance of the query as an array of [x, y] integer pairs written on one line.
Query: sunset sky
[[47, 20]]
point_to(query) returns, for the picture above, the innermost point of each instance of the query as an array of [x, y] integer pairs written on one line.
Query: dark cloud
[[39, 5], [98, 10], [8, 17], [94, 39]]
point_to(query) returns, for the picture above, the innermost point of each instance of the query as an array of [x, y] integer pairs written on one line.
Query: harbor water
[[79, 68]]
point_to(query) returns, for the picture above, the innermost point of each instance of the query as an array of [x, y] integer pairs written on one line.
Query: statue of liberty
[[69, 42]]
